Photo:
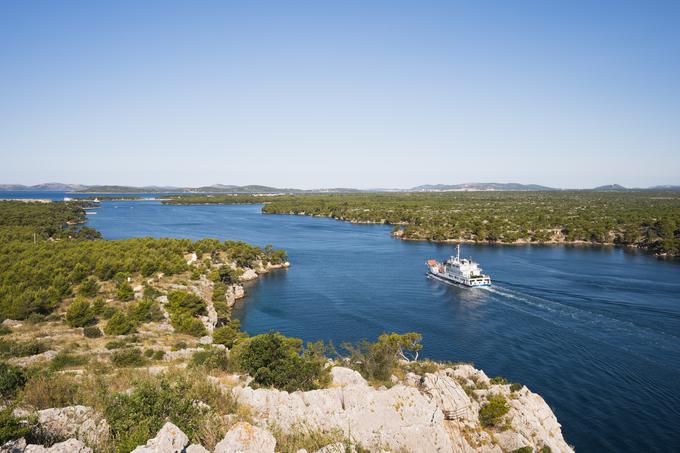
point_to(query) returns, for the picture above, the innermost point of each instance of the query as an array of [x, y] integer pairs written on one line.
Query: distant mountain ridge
[[260, 189]]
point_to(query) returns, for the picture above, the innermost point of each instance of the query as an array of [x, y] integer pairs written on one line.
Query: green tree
[[493, 411], [125, 292], [80, 313], [228, 334], [89, 288], [119, 324]]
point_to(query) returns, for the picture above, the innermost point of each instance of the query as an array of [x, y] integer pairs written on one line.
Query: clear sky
[[347, 93]]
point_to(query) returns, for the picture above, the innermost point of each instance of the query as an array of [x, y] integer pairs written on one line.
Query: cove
[[595, 331]]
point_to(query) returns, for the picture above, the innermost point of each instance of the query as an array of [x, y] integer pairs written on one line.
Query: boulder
[[248, 274], [170, 439], [33, 359], [68, 446], [79, 422], [246, 438], [195, 448], [13, 446]]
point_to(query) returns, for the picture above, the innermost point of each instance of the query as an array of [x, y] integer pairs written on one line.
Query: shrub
[[136, 417], [117, 344], [79, 313], [278, 361], [4, 330], [498, 380], [46, 390], [523, 450], [376, 361], [119, 324], [11, 427], [148, 353], [35, 318], [145, 310], [11, 348], [179, 345], [188, 325], [158, 355], [92, 332], [493, 411], [515, 387], [150, 292], [89, 288], [125, 292], [131, 357], [228, 334], [65, 360], [12, 379], [185, 303], [212, 359]]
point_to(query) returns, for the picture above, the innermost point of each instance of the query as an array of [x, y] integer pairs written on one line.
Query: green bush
[[184, 303], [150, 292], [179, 345], [11, 427], [278, 361], [119, 324], [65, 360], [11, 348], [228, 334], [515, 387], [493, 411], [125, 292], [92, 332], [4, 330], [12, 379], [136, 417], [523, 450], [212, 359], [188, 325], [89, 288], [35, 318], [79, 313], [129, 357], [498, 380], [145, 310], [158, 355]]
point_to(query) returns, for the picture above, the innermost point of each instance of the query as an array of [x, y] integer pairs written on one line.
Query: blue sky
[[352, 93]]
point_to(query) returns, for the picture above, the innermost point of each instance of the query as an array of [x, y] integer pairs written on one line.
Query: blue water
[[595, 331]]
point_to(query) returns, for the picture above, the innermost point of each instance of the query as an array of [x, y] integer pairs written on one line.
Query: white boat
[[459, 271]]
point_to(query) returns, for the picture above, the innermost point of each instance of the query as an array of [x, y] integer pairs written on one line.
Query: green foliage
[[493, 411], [65, 360], [145, 310], [228, 334], [498, 380], [11, 348], [11, 427], [187, 325], [211, 359], [92, 332], [179, 346], [377, 361], [12, 379], [125, 292], [128, 357], [4, 330], [116, 344], [183, 302], [89, 288], [119, 324], [79, 313], [136, 417], [278, 361], [515, 387]]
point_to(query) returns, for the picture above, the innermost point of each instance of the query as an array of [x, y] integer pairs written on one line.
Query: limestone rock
[[238, 291], [30, 360], [246, 438], [195, 448], [170, 439], [79, 422], [248, 274], [68, 446], [13, 446], [337, 447]]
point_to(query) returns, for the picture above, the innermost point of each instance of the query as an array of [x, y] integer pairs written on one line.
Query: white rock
[[30, 360], [246, 438], [68, 446], [337, 447], [11, 323], [13, 446], [205, 340], [195, 448], [248, 274], [238, 291], [170, 439], [80, 422]]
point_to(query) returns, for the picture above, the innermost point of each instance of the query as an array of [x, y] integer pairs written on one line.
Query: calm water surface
[[595, 331]]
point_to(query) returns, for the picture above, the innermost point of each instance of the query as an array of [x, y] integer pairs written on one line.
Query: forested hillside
[[645, 219]]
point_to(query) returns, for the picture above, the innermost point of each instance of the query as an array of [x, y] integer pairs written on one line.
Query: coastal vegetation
[[645, 219]]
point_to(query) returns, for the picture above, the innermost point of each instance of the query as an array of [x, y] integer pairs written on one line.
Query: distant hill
[[46, 187], [609, 187], [479, 186]]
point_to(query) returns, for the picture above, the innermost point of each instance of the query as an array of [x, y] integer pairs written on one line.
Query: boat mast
[[458, 252]]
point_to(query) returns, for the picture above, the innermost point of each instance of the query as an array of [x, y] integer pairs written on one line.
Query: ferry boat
[[459, 271]]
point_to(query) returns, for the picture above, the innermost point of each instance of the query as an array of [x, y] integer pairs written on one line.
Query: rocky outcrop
[[246, 438], [33, 359], [80, 422], [68, 446], [170, 439], [396, 418]]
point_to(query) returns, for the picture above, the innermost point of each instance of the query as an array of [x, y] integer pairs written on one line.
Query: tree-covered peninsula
[[645, 219]]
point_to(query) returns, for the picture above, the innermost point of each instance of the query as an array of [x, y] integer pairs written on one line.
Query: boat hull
[[452, 281]]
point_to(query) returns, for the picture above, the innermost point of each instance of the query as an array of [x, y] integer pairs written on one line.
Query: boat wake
[[639, 340]]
